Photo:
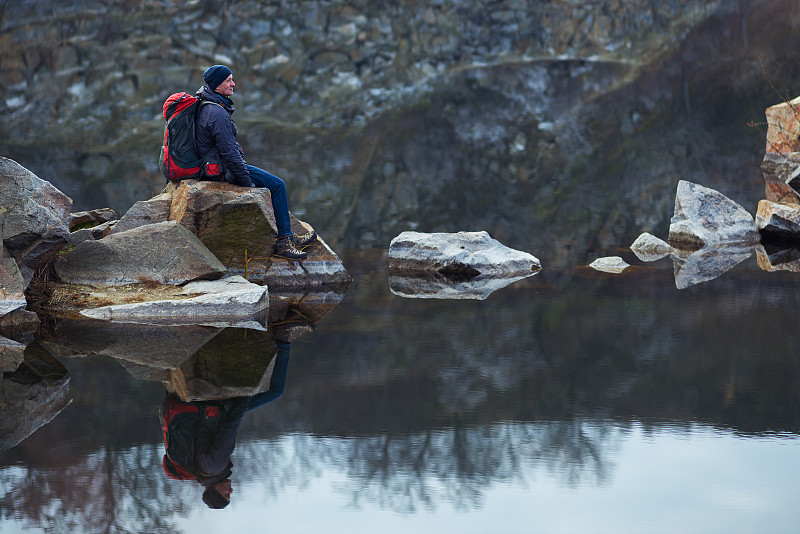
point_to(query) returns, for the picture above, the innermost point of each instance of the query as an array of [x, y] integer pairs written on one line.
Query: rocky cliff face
[[540, 122]]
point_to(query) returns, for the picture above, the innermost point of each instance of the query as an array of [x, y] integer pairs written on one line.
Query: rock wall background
[[559, 127]]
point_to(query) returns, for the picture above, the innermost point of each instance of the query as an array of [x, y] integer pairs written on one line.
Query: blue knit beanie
[[213, 76]]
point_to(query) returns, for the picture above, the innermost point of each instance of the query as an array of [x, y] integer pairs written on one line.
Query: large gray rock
[[466, 254], [34, 217], [226, 302], [154, 210], [704, 216], [782, 220], [166, 253], [12, 296]]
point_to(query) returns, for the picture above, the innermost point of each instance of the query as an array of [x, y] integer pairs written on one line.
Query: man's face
[[226, 87], [224, 488]]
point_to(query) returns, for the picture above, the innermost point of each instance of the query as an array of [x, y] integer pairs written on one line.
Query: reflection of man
[[199, 436]]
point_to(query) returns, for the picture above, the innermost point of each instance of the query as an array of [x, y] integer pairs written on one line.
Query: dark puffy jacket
[[217, 131]]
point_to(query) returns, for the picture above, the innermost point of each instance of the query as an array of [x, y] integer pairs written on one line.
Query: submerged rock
[[648, 247], [610, 264], [704, 216], [166, 253], [782, 220], [462, 254], [226, 302], [707, 263], [34, 217]]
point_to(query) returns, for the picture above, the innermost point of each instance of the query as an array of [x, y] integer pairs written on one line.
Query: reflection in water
[[199, 436], [34, 390], [435, 285], [708, 263]]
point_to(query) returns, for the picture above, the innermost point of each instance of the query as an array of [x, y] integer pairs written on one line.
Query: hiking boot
[[285, 249], [302, 242]]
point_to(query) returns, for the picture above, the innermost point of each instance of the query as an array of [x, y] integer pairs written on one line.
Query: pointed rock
[[704, 216], [648, 247], [166, 253]]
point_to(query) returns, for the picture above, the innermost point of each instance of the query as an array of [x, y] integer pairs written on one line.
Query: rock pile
[[191, 232]]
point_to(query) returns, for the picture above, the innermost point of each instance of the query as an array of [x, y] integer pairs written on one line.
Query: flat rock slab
[[466, 254], [220, 302], [704, 216], [166, 253], [609, 264]]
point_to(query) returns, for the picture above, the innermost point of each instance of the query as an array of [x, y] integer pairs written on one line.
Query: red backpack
[[179, 159], [179, 422]]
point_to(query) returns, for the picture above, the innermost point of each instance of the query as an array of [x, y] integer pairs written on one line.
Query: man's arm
[[224, 134]]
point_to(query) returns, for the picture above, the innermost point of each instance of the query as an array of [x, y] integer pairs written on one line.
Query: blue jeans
[[280, 202]]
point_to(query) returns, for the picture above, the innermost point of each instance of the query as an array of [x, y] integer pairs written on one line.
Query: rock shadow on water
[[693, 267], [778, 255]]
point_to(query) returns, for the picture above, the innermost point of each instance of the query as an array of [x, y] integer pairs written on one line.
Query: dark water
[[570, 401]]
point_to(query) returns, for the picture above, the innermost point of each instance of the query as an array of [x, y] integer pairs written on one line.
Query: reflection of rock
[[465, 254], [706, 217], [34, 217], [31, 395], [434, 285], [782, 220], [12, 296], [225, 302], [165, 252], [11, 354], [157, 347], [648, 247], [235, 363], [611, 264], [19, 325], [707, 263], [774, 257]]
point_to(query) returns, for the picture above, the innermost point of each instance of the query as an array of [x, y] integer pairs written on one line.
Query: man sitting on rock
[[217, 131]]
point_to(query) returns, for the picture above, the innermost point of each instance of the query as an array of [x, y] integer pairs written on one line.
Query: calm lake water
[[569, 401]]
